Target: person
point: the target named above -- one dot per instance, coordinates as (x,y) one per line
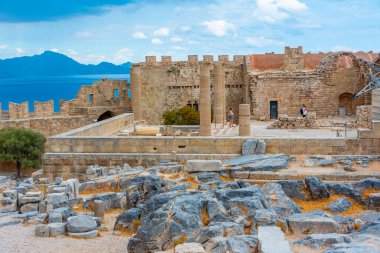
(304,112)
(189,103)
(195,105)
(302,109)
(231,117)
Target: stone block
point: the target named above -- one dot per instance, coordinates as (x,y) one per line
(272,240)
(41,230)
(56,229)
(10,193)
(85,235)
(189,248)
(29,207)
(204,165)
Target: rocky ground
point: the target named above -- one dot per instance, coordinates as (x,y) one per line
(197,207)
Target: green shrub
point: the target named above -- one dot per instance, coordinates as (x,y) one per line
(183,116)
(23,146)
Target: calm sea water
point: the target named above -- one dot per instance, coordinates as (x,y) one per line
(31,89)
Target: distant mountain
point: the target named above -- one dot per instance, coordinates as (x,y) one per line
(55,64)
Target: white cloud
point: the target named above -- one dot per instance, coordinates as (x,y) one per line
(262,42)
(179,48)
(176,39)
(122,56)
(339,48)
(71,52)
(218,28)
(185,28)
(156,41)
(162,32)
(19,51)
(4,46)
(273,11)
(139,35)
(54,50)
(84,34)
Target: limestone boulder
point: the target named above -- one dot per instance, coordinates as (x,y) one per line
(351,248)
(204,165)
(30,197)
(56,198)
(189,248)
(317,188)
(282,205)
(56,229)
(41,230)
(253,147)
(294,188)
(125,220)
(311,223)
(323,240)
(29,207)
(81,224)
(272,240)
(85,235)
(339,205)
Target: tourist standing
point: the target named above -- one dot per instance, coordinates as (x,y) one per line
(304,112)
(195,105)
(231,117)
(189,103)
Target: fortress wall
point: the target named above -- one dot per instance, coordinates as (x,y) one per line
(44,109)
(19,111)
(168,85)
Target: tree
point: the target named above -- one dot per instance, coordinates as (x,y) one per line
(183,116)
(23,146)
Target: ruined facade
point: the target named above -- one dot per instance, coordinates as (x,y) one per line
(102,100)
(272,84)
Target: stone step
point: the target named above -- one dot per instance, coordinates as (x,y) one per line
(272,240)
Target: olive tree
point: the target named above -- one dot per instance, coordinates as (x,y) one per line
(22,146)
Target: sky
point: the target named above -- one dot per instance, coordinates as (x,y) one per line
(117,31)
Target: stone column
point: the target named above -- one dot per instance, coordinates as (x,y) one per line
(218,93)
(205,101)
(136,93)
(376,104)
(244,117)
(99,209)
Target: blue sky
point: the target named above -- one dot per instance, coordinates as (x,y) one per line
(117,31)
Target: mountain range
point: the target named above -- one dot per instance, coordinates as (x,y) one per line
(55,64)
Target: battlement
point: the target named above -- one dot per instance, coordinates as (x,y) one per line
(191,60)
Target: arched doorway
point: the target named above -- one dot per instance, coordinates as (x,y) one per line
(345,104)
(106,115)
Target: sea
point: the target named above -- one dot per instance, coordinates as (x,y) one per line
(44,88)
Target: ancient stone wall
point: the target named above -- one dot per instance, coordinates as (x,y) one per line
(364,116)
(43,109)
(168,85)
(18,111)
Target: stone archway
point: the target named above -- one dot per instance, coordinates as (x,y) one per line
(346,104)
(105,115)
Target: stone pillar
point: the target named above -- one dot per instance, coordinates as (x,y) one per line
(205,101)
(244,117)
(99,209)
(136,93)
(218,93)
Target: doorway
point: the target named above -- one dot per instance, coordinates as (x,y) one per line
(273,109)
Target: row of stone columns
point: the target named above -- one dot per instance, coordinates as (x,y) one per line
(219,102)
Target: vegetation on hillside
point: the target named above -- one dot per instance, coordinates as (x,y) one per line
(184,116)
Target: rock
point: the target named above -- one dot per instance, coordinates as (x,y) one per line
(9,205)
(242,244)
(307,223)
(30,197)
(20,189)
(56,229)
(10,193)
(204,165)
(279,201)
(317,188)
(207,176)
(81,224)
(86,235)
(322,240)
(109,200)
(58,180)
(56,198)
(346,189)
(315,161)
(349,168)
(294,188)
(339,205)
(99,209)
(248,159)
(265,217)
(253,147)
(42,207)
(351,248)
(189,248)
(368,234)
(125,220)
(74,187)
(54,217)
(269,164)
(30,207)
(272,240)
(41,230)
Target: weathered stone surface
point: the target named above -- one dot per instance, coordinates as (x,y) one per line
(88,235)
(81,224)
(30,207)
(189,248)
(249,159)
(351,248)
(294,188)
(54,217)
(279,201)
(312,224)
(253,147)
(41,230)
(242,244)
(318,189)
(56,229)
(10,193)
(315,161)
(30,197)
(323,240)
(271,164)
(56,198)
(204,165)
(272,240)
(339,205)
(125,220)
(265,217)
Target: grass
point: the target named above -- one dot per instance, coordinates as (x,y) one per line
(182,239)
(205,216)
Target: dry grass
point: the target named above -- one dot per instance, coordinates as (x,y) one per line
(369,191)
(205,216)
(228,178)
(182,239)
(191,180)
(321,204)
